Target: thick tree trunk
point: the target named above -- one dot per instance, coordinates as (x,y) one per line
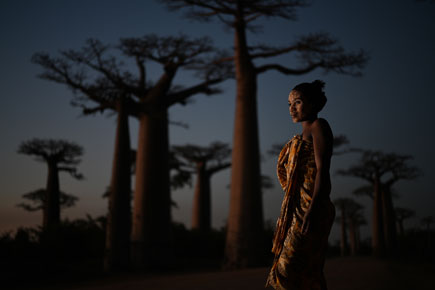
(152,202)
(400,227)
(378,241)
(352,238)
(245,223)
(358,239)
(343,235)
(118,231)
(389,222)
(51,213)
(201,217)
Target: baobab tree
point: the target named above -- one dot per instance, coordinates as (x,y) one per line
(350,219)
(319,50)
(402,214)
(37,199)
(382,170)
(112,86)
(60,156)
(204,161)
(355,219)
(427,221)
(340,203)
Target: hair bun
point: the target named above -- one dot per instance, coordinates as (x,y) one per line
(318,84)
(314,92)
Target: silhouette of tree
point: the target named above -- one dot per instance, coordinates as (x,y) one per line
(355,220)
(341,204)
(401,215)
(204,161)
(60,156)
(266,182)
(382,170)
(113,87)
(350,218)
(427,221)
(37,199)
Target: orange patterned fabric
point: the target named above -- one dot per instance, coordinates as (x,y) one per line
(299,258)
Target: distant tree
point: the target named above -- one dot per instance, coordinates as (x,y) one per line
(60,156)
(129,93)
(266,182)
(350,219)
(382,170)
(341,204)
(37,199)
(355,220)
(180,174)
(204,161)
(245,223)
(427,221)
(401,215)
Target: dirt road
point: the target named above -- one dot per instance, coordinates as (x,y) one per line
(341,274)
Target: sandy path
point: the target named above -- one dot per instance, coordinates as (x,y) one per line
(341,274)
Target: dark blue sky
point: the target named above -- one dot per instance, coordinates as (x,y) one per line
(389,108)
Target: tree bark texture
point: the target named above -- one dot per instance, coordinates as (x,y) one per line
(51,215)
(245,222)
(152,203)
(117,254)
(201,217)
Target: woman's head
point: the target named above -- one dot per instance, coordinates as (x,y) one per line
(306,100)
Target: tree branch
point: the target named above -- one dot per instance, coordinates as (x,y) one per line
(182,96)
(271,52)
(218,167)
(72,171)
(286,70)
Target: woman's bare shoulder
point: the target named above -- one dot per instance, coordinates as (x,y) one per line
(321,127)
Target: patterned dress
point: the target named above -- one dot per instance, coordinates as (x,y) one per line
(299,258)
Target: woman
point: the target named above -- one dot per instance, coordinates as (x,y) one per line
(307,214)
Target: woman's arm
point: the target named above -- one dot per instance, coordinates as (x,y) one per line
(322,142)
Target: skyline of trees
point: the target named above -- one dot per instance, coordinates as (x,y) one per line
(96,75)
(114,91)
(382,170)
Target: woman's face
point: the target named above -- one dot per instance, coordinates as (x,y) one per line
(299,107)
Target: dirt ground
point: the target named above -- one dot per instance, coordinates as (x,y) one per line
(362,273)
